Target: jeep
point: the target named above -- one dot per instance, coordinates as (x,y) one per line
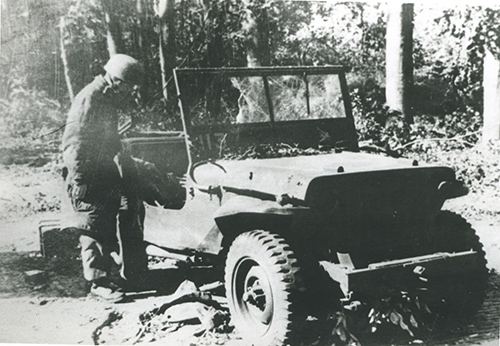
(280,195)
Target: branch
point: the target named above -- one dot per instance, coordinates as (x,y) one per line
(456,138)
(64,59)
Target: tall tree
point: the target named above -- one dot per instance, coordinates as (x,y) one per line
(215,20)
(167,44)
(113,29)
(399,59)
(64,59)
(491,86)
(256,28)
(215,23)
(142,42)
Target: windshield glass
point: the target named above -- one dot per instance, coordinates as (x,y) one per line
(245,107)
(253,99)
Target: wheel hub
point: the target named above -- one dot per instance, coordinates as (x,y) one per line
(256,296)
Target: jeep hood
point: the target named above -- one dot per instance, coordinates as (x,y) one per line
(296,175)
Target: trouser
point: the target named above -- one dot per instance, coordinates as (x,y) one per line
(128,242)
(131,238)
(99,212)
(96,257)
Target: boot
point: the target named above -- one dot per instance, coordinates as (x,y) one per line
(107,290)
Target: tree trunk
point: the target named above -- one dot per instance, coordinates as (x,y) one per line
(167,46)
(142,45)
(113,29)
(263,44)
(215,54)
(399,59)
(5,50)
(256,28)
(64,59)
(491,86)
(215,44)
(252,103)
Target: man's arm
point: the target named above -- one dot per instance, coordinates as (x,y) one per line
(158,187)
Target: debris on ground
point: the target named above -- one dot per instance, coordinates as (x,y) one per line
(105,326)
(188,313)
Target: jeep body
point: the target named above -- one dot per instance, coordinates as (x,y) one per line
(369,220)
(357,199)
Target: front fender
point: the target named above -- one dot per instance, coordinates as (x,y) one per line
(241,214)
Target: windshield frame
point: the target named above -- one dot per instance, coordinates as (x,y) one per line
(264,72)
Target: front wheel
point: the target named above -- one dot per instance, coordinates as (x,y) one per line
(263,282)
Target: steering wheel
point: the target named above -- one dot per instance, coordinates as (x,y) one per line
(201,163)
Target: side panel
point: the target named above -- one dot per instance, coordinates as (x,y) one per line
(202,223)
(191,227)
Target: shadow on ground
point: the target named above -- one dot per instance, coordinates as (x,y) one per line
(58,272)
(54,277)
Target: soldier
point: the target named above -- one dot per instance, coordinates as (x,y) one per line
(93,175)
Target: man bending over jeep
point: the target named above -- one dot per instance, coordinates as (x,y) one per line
(94,174)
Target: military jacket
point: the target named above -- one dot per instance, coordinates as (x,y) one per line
(91,139)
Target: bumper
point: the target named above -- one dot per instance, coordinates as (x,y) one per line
(383,278)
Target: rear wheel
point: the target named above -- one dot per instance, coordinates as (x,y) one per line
(461,296)
(263,281)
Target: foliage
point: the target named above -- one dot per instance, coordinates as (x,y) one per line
(83,38)
(451,57)
(212,33)
(272,151)
(375,123)
(351,34)
(478,166)
(404,311)
(455,41)
(27,122)
(29,45)
(28,112)
(340,334)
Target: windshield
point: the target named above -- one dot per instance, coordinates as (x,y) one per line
(224,108)
(291,98)
(255,99)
